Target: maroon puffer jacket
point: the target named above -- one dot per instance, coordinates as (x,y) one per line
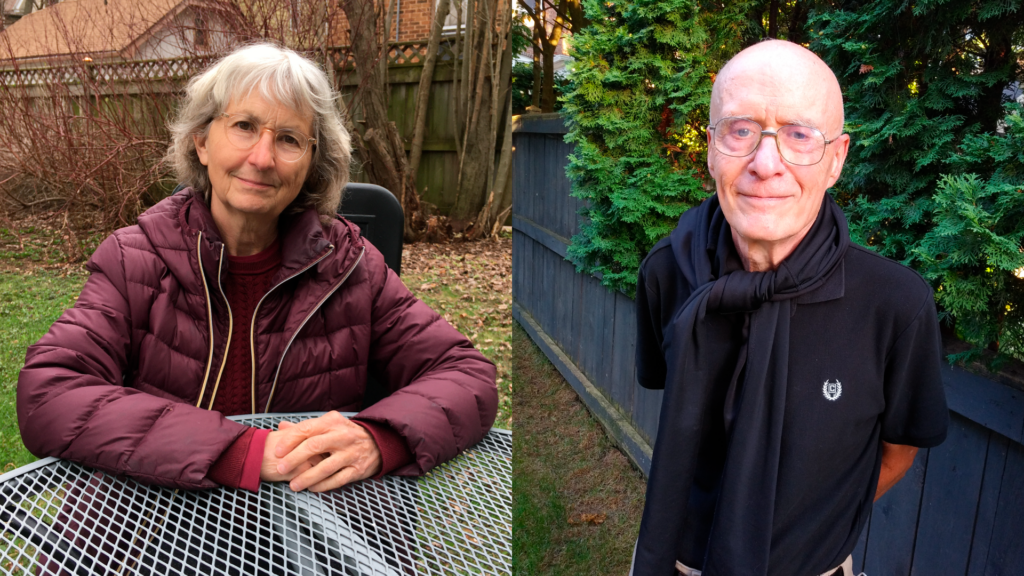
(115,382)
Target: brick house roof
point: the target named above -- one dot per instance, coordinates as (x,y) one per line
(95,27)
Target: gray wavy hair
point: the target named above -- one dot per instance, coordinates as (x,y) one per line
(279,75)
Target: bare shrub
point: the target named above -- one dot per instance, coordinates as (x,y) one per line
(82,131)
(87,92)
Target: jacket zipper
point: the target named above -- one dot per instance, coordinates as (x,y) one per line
(231,325)
(252,325)
(209,318)
(301,326)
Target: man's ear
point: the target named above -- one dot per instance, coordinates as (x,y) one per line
(200,142)
(837,158)
(711,166)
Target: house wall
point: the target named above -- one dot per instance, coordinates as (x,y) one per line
(177,39)
(413,18)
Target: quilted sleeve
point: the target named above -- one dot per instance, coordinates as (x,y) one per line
(72,402)
(443,396)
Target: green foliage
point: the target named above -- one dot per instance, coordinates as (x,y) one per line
(917,79)
(636,107)
(930,180)
(973,251)
(521,36)
(522,87)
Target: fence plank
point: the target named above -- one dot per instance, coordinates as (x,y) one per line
(623,354)
(547,266)
(993,405)
(890,549)
(518,270)
(530,298)
(950,500)
(605,364)
(995,464)
(548,175)
(1006,550)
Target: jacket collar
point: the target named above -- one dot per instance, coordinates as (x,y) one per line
(175,223)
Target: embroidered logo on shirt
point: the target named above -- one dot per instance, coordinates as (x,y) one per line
(832,390)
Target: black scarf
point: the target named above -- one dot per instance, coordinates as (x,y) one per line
(740,539)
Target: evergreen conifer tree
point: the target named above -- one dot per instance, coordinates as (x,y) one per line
(636,108)
(929,180)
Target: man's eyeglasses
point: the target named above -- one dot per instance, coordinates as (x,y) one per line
(799,145)
(244,132)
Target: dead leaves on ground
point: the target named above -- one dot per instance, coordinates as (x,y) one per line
(592,519)
(470,285)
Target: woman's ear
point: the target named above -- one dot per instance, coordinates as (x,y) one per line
(200,142)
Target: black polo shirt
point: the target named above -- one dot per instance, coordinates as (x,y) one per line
(864,367)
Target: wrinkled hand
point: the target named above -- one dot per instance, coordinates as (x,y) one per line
(268,470)
(347,451)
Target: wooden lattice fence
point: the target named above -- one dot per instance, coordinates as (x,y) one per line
(438,172)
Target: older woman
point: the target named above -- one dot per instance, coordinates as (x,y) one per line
(244,293)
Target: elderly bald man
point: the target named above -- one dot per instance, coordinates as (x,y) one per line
(801,372)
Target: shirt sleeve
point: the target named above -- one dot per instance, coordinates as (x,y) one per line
(915,400)
(659,291)
(650,362)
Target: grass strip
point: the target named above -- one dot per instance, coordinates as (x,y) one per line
(576,499)
(29,304)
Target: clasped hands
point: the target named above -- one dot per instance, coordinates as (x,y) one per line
(320,454)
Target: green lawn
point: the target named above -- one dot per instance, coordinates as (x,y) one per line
(29,303)
(576,500)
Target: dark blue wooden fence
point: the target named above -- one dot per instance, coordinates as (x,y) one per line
(957,512)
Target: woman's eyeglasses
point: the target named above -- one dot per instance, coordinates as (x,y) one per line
(244,132)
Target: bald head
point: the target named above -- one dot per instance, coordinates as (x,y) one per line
(789,75)
(770,199)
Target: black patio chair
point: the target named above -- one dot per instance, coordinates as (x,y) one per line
(379,215)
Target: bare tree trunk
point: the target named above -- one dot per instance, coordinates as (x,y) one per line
(547,97)
(423,96)
(494,210)
(380,145)
(478,134)
(539,37)
(457,49)
(578,19)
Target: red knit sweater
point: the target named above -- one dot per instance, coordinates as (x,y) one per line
(247,281)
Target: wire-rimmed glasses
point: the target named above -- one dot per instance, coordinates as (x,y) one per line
(799,145)
(244,132)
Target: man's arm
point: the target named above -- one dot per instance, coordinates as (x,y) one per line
(896,460)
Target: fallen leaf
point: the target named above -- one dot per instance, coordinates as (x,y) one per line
(592,519)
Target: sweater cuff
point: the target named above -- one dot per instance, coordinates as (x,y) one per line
(239,465)
(394,453)
(254,461)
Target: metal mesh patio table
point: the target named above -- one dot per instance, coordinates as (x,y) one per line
(59,517)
